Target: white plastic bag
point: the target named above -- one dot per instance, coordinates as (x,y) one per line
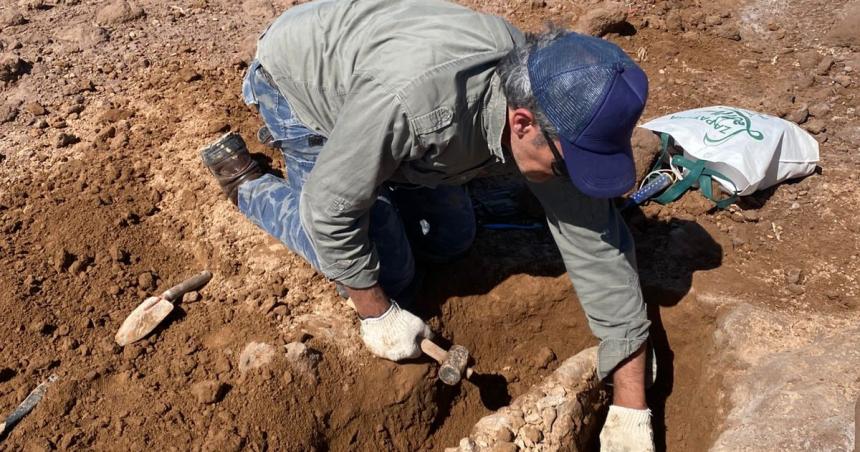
(755,151)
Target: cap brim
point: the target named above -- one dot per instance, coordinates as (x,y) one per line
(600,175)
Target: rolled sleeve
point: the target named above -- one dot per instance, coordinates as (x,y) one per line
(365,147)
(598,252)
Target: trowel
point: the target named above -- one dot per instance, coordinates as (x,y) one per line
(147,315)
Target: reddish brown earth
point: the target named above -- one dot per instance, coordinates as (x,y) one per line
(104,104)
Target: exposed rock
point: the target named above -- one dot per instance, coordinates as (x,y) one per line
(819,110)
(601,19)
(62,260)
(748,63)
(118,11)
(8,113)
(559,400)
(646,149)
(66,139)
(303,359)
(255,355)
(12,18)
(191,297)
(11,66)
(798,116)
(769,357)
(84,35)
(824,66)
(845,32)
(815,126)
(673,22)
(728,32)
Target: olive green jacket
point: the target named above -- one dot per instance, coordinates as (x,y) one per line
(406,91)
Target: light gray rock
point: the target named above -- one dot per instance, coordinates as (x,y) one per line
(793,380)
(255,355)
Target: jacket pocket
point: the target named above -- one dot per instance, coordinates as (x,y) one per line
(434,129)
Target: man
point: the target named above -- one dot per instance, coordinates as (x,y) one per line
(383,109)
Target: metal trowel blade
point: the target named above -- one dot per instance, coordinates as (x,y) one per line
(143,320)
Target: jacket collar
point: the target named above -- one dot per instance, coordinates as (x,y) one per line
(494,117)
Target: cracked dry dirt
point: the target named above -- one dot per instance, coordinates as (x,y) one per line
(103,201)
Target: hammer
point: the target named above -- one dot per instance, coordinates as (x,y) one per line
(452,363)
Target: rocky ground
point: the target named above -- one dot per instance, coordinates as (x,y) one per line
(104,201)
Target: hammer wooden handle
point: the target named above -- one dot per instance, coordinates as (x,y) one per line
(434,351)
(439,354)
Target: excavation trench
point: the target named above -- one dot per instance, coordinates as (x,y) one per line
(521,321)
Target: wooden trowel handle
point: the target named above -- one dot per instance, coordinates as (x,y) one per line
(193,283)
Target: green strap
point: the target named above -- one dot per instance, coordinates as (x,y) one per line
(679,188)
(696,172)
(664,151)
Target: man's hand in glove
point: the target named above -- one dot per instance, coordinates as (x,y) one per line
(394,335)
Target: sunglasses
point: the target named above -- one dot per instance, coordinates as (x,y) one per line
(558,166)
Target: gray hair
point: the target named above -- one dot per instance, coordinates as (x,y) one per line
(514,73)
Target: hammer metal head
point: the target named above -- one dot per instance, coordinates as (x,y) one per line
(452,370)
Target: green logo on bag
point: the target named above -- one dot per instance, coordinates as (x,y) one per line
(726,123)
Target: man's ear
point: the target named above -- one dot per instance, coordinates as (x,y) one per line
(522,121)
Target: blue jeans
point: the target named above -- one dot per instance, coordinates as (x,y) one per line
(406,222)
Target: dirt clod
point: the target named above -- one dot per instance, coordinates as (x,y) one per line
(544,357)
(66,139)
(208,392)
(146,281)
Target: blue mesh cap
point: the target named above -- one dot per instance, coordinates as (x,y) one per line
(593,93)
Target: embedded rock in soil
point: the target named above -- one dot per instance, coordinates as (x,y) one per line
(255,355)
(118,11)
(601,19)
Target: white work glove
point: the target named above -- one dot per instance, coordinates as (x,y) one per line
(394,335)
(627,430)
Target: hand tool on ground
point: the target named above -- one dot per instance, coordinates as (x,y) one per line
(26,406)
(153,310)
(452,363)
